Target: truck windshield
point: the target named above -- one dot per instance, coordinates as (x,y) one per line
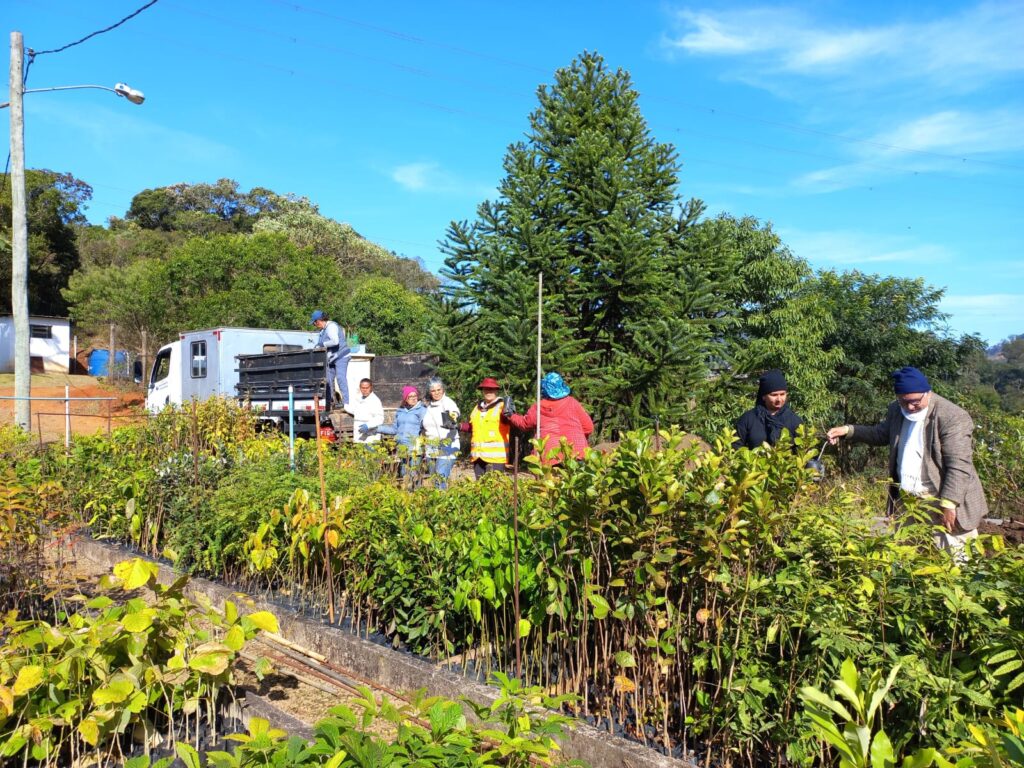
(161,366)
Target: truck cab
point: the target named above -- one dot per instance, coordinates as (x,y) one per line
(164,383)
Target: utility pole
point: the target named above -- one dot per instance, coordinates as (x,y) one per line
(19,241)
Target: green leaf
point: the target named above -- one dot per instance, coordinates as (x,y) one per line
(1008,667)
(89,730)
(139,621)
(881,751)
(922,758)
(235,638)
(524,627)
(812,694)
(625,659)
(1016,683)
(599,604)
(115,691)
(188,756)
(210,659)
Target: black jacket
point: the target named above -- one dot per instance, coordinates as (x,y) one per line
(757,426)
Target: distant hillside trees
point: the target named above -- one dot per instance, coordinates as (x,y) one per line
(202,255)
(56,202)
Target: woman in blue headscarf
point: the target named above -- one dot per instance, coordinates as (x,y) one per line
(561,416)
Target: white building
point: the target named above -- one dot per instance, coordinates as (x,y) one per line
(49,343)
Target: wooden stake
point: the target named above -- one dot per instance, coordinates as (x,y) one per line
(515,561)
(323,504)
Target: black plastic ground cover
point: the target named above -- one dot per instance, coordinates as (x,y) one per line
(383,668)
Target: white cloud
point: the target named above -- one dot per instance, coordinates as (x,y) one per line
(971,46)
(956,132)
(417,177)
(430,176)
(935,143)
(848,249)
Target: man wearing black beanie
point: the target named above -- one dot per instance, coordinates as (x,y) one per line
(770,415)
(930,456)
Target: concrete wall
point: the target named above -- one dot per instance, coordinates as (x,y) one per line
(388,669)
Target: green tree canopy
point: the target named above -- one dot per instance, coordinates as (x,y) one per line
(773,319)
(227,280)
(882,324)
(202,209)
(589,199)
(389,318)
(303,223)
(56,203)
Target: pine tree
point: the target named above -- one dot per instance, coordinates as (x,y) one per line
(589,199)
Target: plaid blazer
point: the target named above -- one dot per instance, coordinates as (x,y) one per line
(948,470)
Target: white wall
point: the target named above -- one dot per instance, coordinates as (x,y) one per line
(55,351)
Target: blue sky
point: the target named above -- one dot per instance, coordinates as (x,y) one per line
(886,137)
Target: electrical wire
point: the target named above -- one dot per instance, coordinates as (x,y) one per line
(91,35)
(31,57)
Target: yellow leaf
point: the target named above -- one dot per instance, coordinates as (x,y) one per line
(331,537)
(6,701)
(235,638)
(264,620)
(135,573)
(90,731)
(624,685)
(28,678)
(139,621)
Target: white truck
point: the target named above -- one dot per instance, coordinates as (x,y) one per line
(202,364)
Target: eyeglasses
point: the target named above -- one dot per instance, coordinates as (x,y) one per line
(436,390)
(912,402)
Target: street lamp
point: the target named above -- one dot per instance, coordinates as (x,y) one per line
(19,222)
(121,89)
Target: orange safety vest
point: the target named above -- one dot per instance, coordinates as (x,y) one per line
(489,439)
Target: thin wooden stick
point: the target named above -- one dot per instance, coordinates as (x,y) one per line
(323,504)
(515,562)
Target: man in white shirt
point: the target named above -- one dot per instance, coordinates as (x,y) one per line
(367,414)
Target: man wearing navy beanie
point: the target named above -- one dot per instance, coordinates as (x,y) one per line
(930,456)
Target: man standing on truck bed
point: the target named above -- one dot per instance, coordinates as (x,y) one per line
(333,340)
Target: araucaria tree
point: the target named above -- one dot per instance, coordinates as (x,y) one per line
(589,199)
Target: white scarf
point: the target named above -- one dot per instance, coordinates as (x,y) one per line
(910,456)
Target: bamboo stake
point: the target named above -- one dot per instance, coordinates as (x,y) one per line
(515,561)
(540,337)
(323,504)
(276,638)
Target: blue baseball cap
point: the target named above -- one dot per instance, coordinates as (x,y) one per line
(318,314)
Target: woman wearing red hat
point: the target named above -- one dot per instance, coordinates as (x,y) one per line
(488,431)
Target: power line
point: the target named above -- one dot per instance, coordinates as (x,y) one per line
(399,35)
(409,38)
(132,15)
